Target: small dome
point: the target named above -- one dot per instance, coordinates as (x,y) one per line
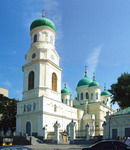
(105,93)
(85,81)
(42,22)
(65,90)
(94,83)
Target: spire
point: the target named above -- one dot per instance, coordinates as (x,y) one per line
(43,13)
(94,76)
(86,67)
(104,86)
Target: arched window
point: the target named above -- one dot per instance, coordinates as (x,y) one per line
(96,95)
(55,108)
(91,95)
(54,82)
(31,80)
(35,38)
(24,108)
(87,95)
(78,97)
(81,96)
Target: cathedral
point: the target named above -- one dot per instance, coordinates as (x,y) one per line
(44,102)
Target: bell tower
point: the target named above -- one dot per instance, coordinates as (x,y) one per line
(42,74)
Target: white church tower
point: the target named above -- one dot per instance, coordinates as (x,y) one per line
(42,74)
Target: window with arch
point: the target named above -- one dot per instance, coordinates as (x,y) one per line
(35,38)
(55,108)
(91,95)
(54,82)
(31,80)
(96,95)
(87,95)
(78,97)
(81,96)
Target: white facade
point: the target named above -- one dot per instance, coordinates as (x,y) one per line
(117,125)
(43,102)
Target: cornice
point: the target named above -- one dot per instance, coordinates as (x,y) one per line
(41,60)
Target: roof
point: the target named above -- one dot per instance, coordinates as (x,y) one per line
(94,83)
(65,90)
(105,93)
(85,81)
(122,112)
(42,22)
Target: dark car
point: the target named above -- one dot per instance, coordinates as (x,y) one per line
(108,145)
(14,148)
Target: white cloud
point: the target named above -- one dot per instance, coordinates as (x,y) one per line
(93,58)
(7,83)
(19,91)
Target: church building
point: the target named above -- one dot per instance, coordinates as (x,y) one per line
(44,102)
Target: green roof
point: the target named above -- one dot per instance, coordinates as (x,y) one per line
(105,93)
(122,112)
(85,81)
(94,83)
(42,22)
(65,90)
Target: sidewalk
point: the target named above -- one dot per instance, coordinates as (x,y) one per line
(57,147)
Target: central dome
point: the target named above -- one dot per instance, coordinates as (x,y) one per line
(85,81)
(42,22)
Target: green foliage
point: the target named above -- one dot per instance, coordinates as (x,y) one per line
(8,109)
(121,91)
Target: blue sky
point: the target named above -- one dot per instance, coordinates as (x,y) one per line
(95,33)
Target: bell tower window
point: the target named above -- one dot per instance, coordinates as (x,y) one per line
(96,95)
(31,80)
(81,96)
(54,82)
(35,38)
(86,95)
(91,95)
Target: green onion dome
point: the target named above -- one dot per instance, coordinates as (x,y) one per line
(105,93)
(42,22)
(94,83)
(85,81)
(65,90)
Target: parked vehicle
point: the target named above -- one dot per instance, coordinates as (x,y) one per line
(14,148)
(127,142)
(108,145)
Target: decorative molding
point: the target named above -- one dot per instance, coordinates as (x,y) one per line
(41,60)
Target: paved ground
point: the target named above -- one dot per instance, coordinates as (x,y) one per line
(56,147)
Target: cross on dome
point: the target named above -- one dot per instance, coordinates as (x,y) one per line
(43,13)
(104,86)
(86,67)
(94,76)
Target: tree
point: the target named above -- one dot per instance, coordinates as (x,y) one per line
(8,109)
(121,91)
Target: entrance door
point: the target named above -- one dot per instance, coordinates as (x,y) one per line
(28,128)
(114,133)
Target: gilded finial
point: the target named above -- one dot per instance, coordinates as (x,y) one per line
(86,67)
(43,13)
